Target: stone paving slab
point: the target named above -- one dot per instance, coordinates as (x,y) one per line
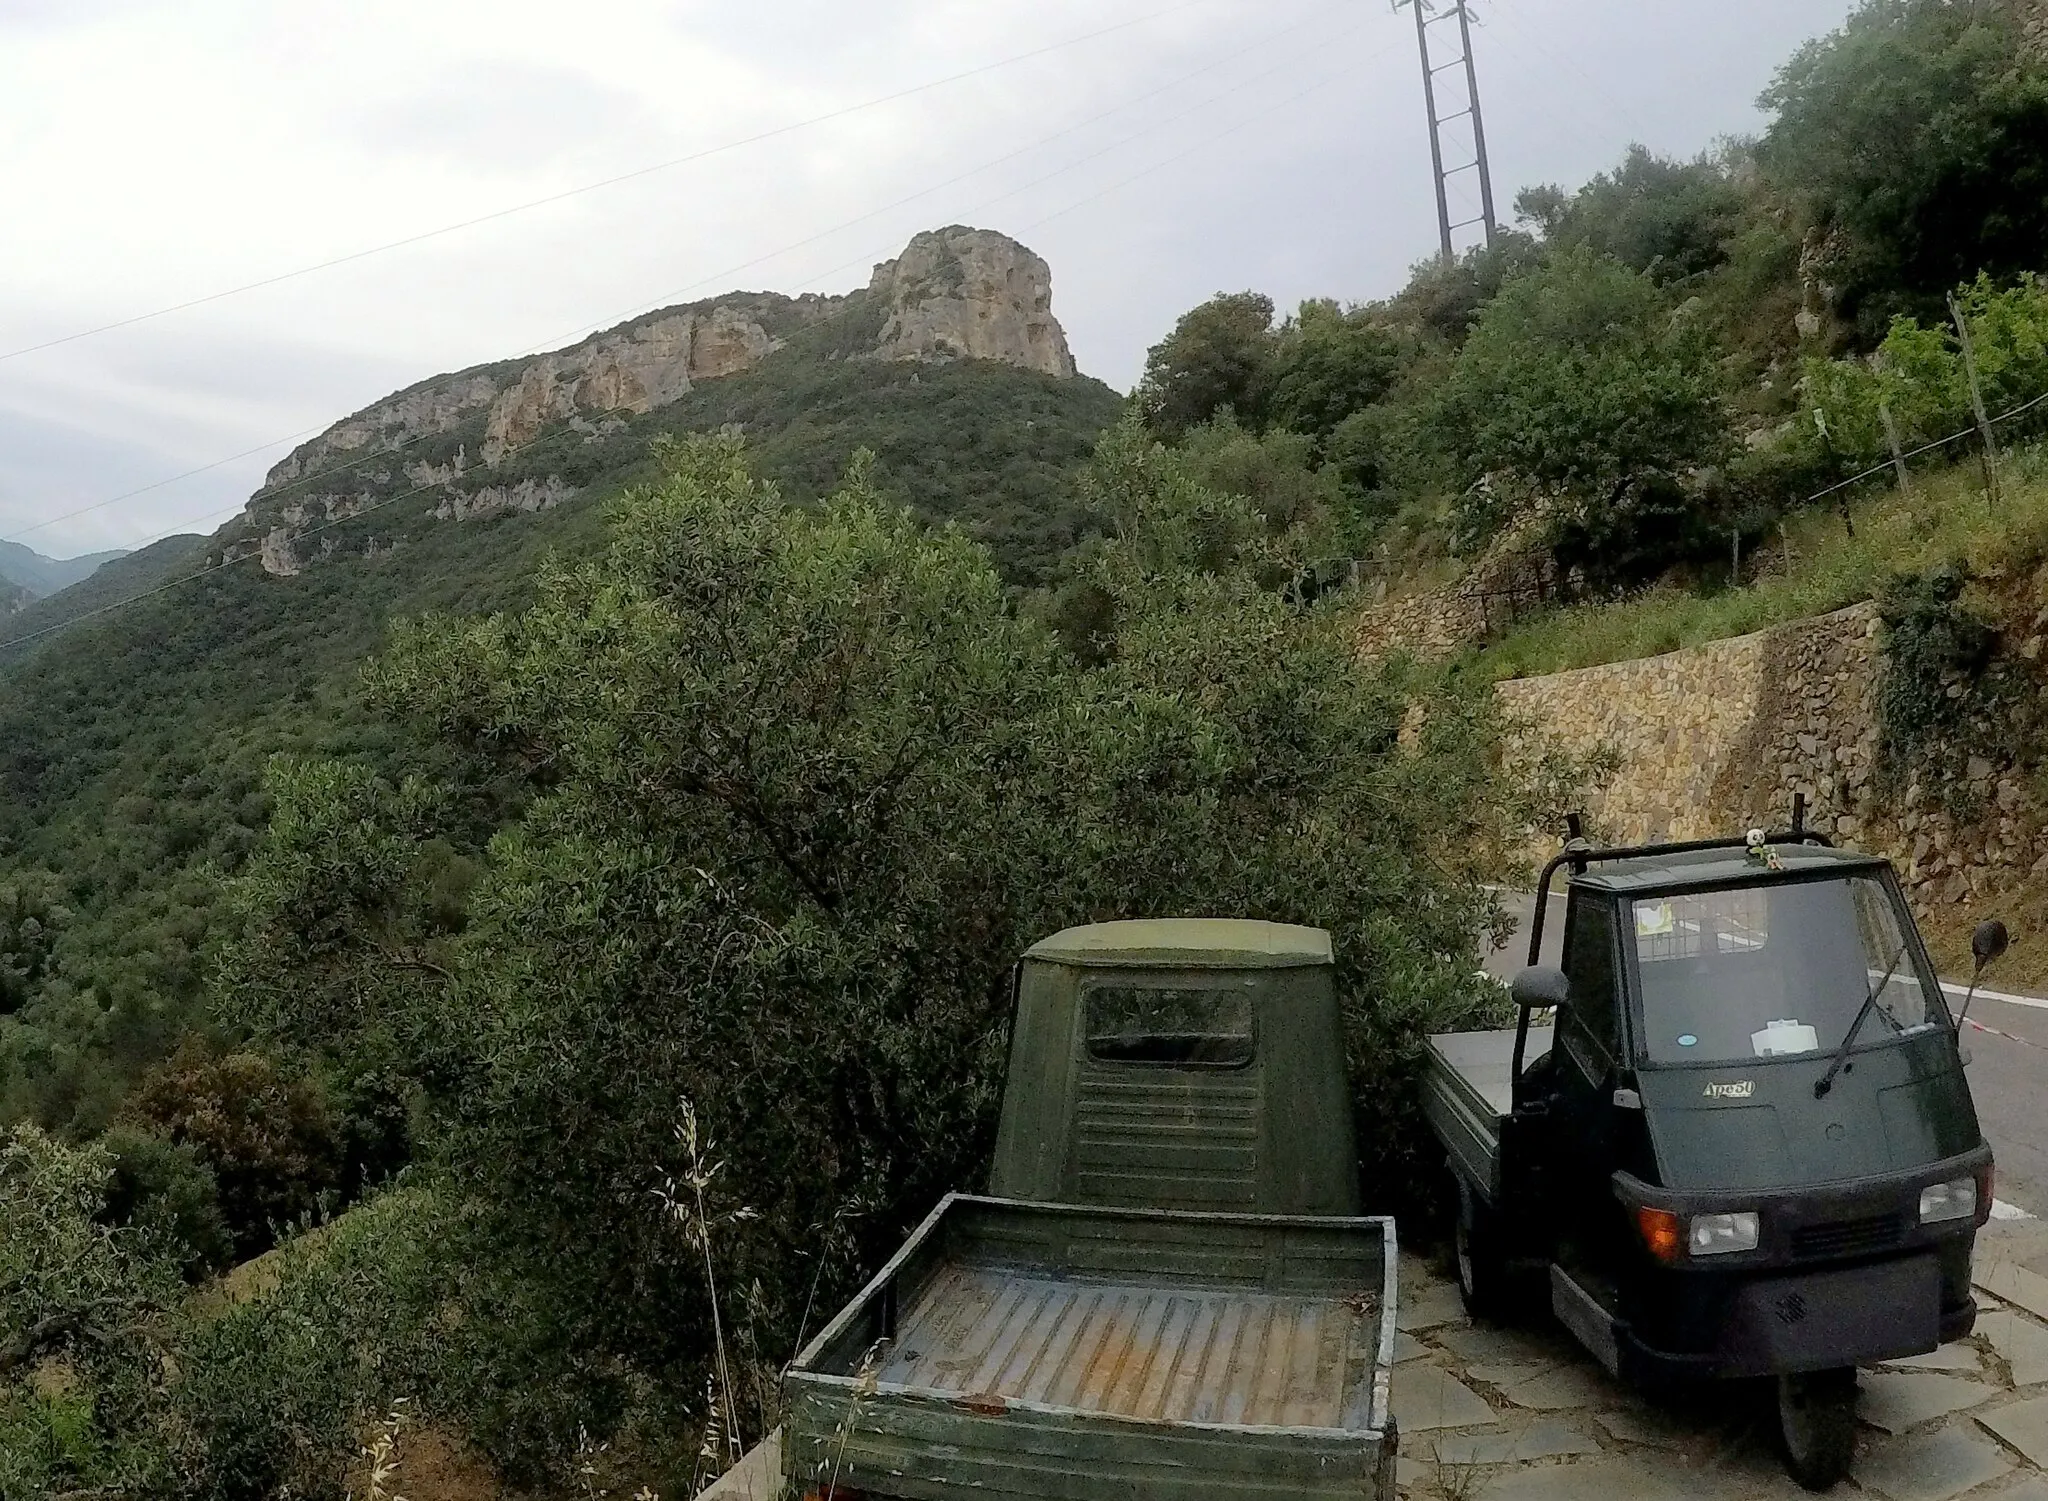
(1407,1346)
(2016,1285)
(1930,1467)
(1427,1396)
(1898,1401)
(1485,1344)
(2020,1342)
(1959,1359)
(1643,1425)
(1429,1306)
(1566,1386)
(1544,1438)
(2024,1425)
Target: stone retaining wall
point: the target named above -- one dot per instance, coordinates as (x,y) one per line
(1718,738)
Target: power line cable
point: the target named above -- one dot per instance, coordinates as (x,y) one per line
(608,182)
(642,306)
(229,562)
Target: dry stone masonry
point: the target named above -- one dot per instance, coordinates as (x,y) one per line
(1722,736)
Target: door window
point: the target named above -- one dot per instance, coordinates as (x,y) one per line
(1589,965)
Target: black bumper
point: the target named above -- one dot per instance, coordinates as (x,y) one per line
(1816,1320)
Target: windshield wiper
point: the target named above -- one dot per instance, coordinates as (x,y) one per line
(1826,1081)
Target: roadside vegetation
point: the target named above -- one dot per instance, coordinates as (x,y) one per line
(1815,564)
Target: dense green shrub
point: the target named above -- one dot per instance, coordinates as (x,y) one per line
(803,785)
(268,1139)
(1918,136)
(162,1191)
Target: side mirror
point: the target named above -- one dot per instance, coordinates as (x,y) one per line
(1541,987)
(1989,942)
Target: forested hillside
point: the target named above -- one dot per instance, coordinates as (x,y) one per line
(581,819)
(132,745)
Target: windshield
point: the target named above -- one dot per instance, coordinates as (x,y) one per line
(1774,971)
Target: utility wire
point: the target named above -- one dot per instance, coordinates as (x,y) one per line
(642,306)
(608,182)
(229,562)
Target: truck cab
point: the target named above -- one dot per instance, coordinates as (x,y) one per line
(1181,1063)
(1731,1134)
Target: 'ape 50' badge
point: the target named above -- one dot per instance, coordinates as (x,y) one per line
(1742,1089)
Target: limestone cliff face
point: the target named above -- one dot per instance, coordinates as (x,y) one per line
(635,370)
(955,293)
(961,293)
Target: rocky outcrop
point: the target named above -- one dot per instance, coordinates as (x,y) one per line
(955,293)
(961,293)
(528,495)
(433,406)
(632,370)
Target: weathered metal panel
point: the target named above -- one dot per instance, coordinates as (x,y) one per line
(1466,1094)
(1271,1132)
(1026,1350)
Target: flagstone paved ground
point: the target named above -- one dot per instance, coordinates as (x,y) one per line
(1970,1421)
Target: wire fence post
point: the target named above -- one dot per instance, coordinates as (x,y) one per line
(1891,436)
(1989,454)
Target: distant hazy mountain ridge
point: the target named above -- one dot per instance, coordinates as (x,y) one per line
(954,293)
(33,576)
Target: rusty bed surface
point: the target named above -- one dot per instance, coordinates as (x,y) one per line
(1161,1354)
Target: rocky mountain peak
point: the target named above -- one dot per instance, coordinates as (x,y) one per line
(971,293)
(954,293)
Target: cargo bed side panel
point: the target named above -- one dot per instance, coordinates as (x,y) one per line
(925,1448)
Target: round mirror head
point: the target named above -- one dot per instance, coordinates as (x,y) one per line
(1540,987)
(1989,941)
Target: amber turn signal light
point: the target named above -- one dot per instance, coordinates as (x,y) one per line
(1662,1234)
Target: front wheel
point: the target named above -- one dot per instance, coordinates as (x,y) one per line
(1817,1426)
(1482,1269)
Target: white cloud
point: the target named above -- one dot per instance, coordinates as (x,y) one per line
(160,152)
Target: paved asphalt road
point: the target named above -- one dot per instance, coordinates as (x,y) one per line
(2007,1042)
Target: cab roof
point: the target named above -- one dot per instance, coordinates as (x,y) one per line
(1187,943)
(1719,867)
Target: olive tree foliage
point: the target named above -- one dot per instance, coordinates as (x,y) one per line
(804,786)
(82,1313)
(1214,358)
(1916,137)
(1583,395)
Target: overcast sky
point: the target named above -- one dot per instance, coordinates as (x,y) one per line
(155,153)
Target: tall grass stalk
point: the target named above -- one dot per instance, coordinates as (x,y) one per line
(688,1205)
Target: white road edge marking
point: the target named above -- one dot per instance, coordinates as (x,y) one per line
(2000,1210)
(2033,1002)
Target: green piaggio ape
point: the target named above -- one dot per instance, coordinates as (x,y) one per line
(1731,1136)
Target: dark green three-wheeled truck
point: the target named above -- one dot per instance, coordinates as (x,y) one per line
(1730,1135)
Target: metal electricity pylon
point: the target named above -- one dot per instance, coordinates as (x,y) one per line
(1429,17)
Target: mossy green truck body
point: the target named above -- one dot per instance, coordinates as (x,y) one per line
(1168,1294)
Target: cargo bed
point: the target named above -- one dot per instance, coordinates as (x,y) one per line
(1039,1350)
(1467,1091)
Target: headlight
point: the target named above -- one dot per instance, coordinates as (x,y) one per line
(1953,1200)
(1714,1234)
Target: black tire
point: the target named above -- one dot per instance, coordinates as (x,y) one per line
(1483,1275)
(1817,1426)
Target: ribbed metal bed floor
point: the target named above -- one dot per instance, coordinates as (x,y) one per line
(1164,1355)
